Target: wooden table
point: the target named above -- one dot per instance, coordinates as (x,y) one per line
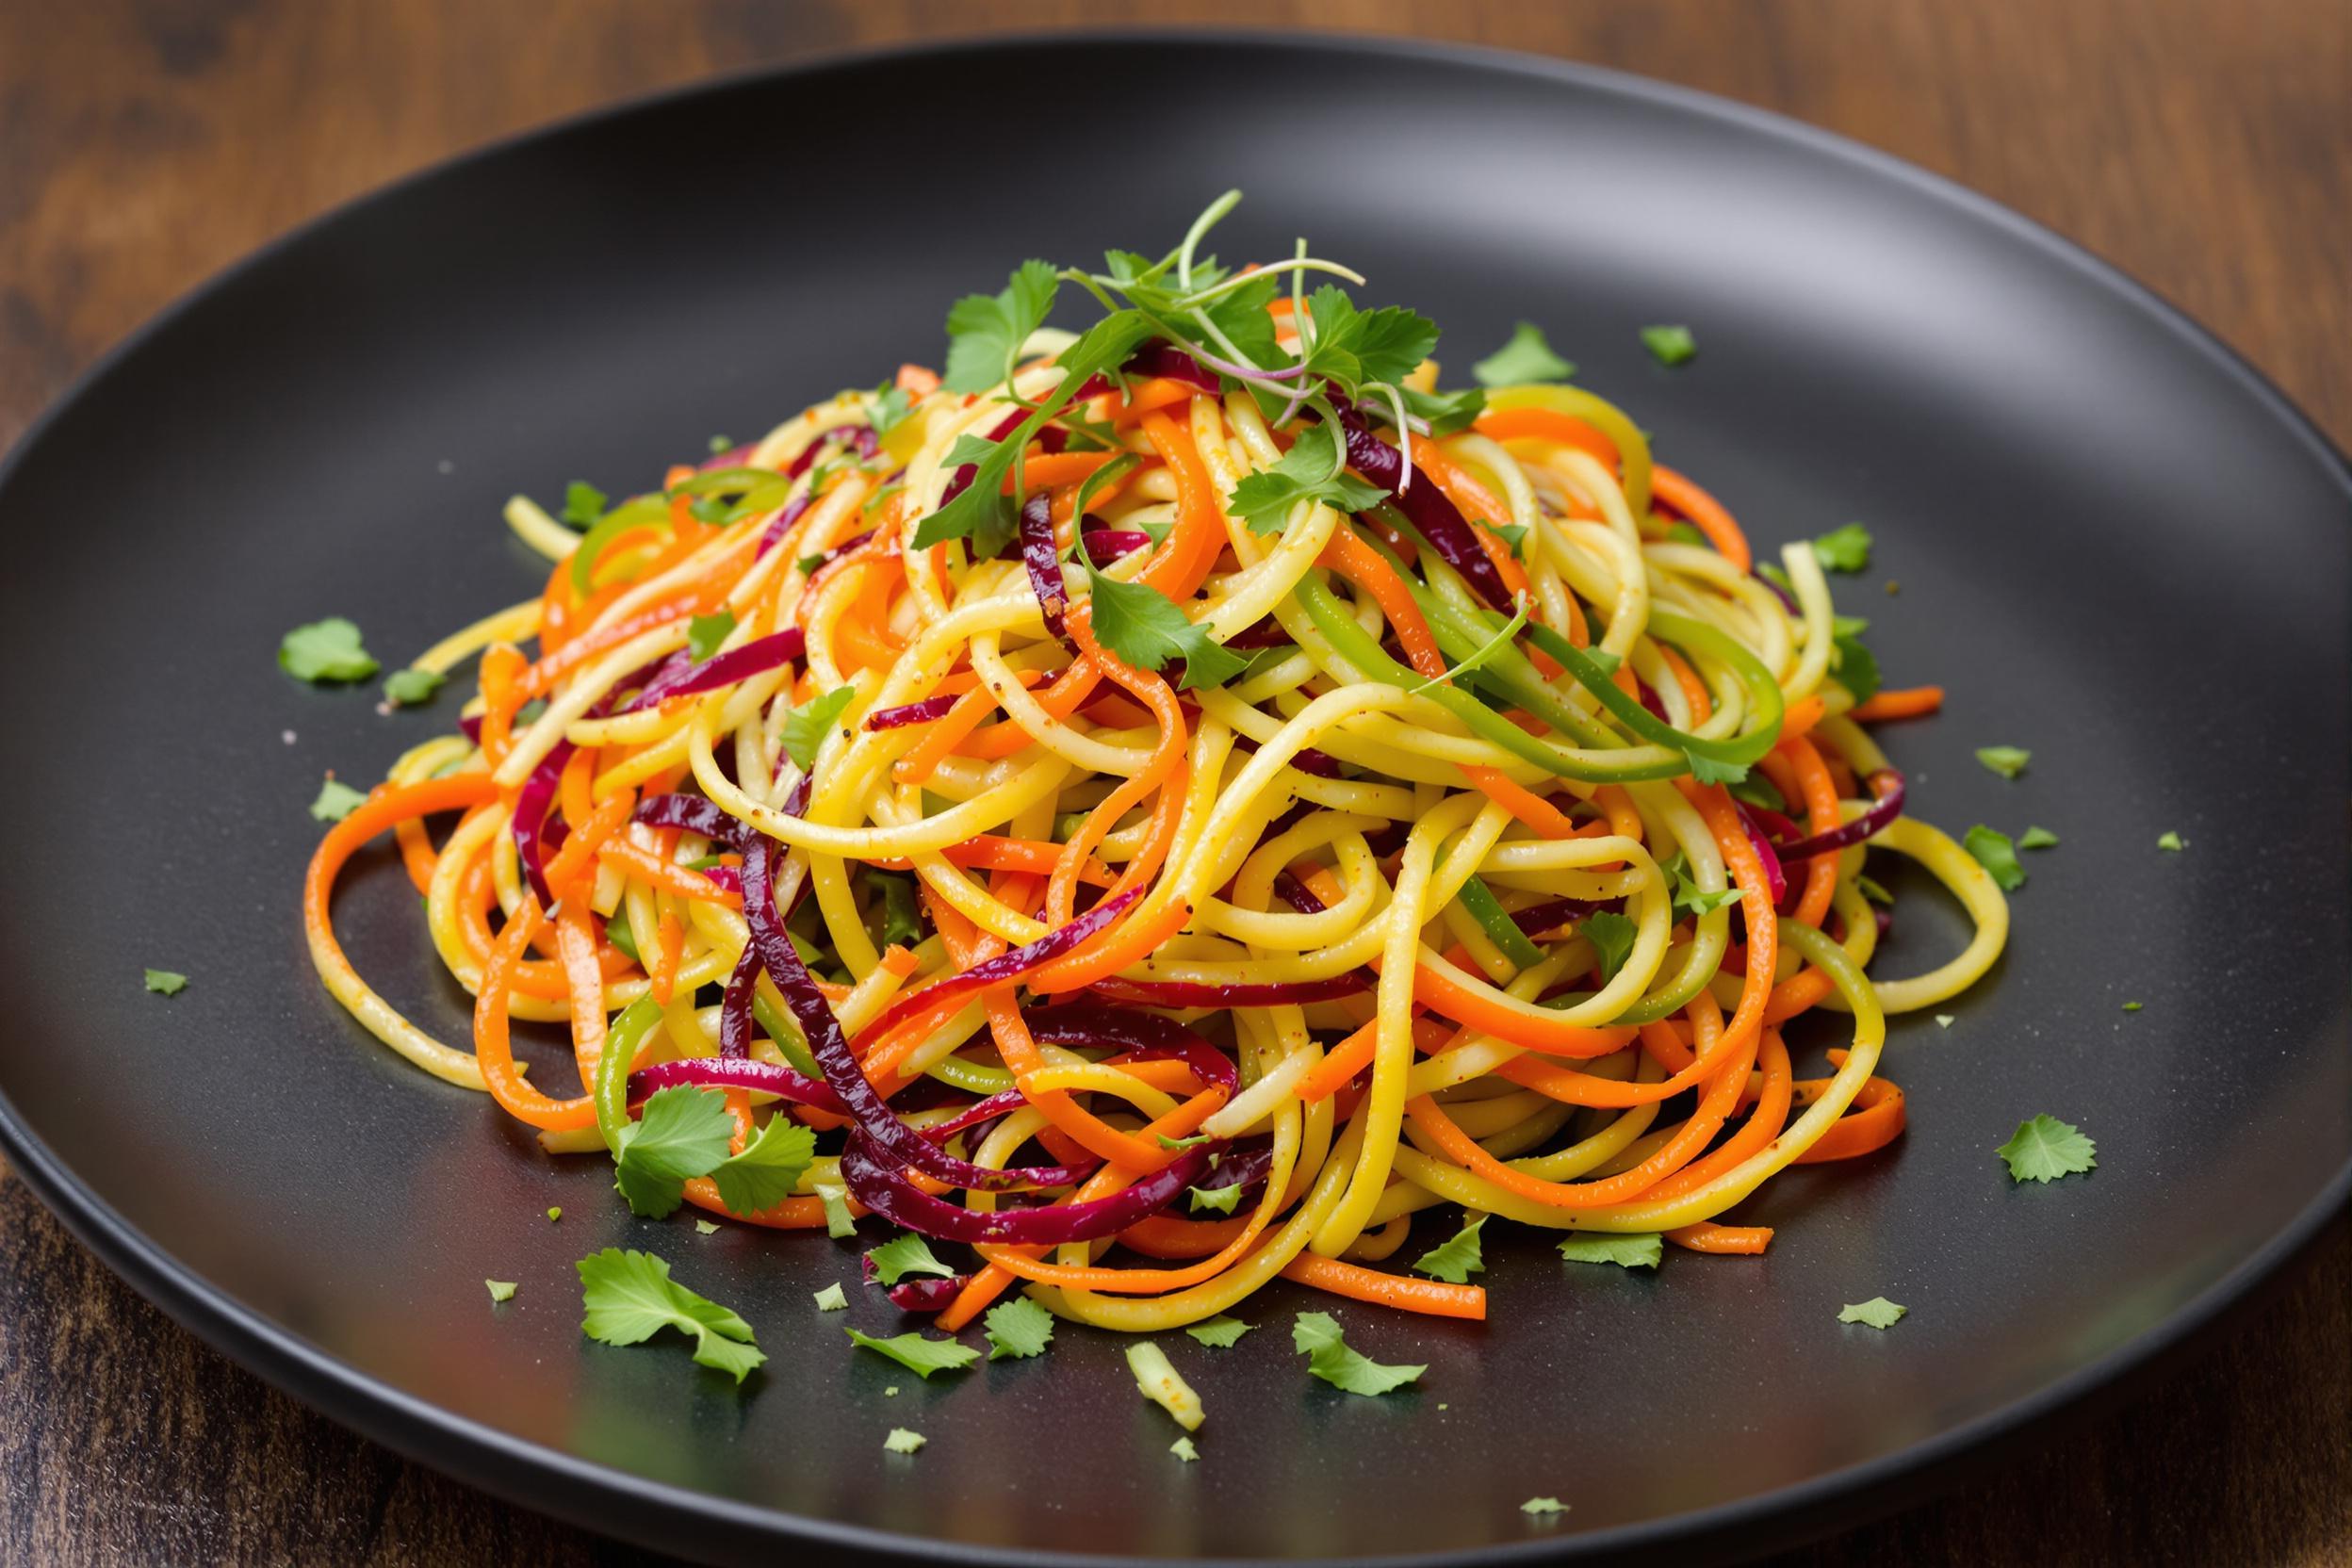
(145,143)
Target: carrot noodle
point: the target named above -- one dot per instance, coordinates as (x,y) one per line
(1443,890)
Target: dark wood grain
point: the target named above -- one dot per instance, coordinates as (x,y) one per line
(144,143)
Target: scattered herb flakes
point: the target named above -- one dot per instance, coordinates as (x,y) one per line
(839,1222)
(1669,344)
(1217,1199)
(2133,1006)
(2008,762)
(720,444)
(1843,550)
(1945,1021)
(1018,1328)
(2171,841)
(1318,1336)
(583,504)
(706,1227)
(630,1296)
(1542,1506)
(1456,1258)
(555,1213)
(704,633)
(1612,936)
(1626,1252)
(1524,358)
(2043,1149)
(1220,1333)
(411,686)
(164,982)
(918,1354)
(337,800)
(1997,855)
(500,1290)
(325,650)
(832,1298)
(1878,1312)
(2037,837)
(1184,1449)
(905,1254)
(902,1440)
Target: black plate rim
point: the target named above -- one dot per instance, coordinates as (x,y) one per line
(631,1506)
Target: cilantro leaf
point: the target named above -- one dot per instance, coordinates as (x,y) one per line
(1514,535)
(831,1298)
(889,409)
(583,504)
(1626,1252)
(1318,1336)
(1019,1328)
(1542,1506)
(917,1354)
(902,1440)
(1689,899)
(1995,854)
(1527,357)
(1241,317)
(769,1169)
(2043,1149)
(1216,1200)
(1310,471)
(905,1254)
(805,726)
(1612,936)
(630,1296)
(1446,412)
(1855,666)
(1456,1258)
(1184,1448)
(1878,1312)
(1362,346)
(1843,550)
(1669,344)
(500,1290)
(164,982)
(2008,762)
(1145,627)
(706,1227)
(337,800)
(2037,837)
(411,686)
(325,650)
(985,332)
(683,1133)
(1705,770)
(1220,1333)
(704,634)
(2171,841)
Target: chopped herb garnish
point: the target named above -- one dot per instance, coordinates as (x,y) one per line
(985,332)
(769,1169)
(1542,1506)
(1612,936)
(683,1133)
(1878,1312)
(706,1227)
(411,686)
(918,1354)
(806,726)
(1318,1336)
(1183,1448)
(1524,358)
(1214,1200)
(903,1255)
(163,982)
(1456,1258)
(2037,838)
(704,633)
(1446,412)
(2133,1006)
(1843,550)
(583,504)
(2043,1149)
(500,1290)
(1310,471)
(832,1298)
(1145,627)
(1626,1252)
(901,1441)
(2171,841)
(1997,855)
(1669,344)
(555,1213)
(325,650)
(839,1222)
(2008,762)
(1945,1021)
(1220,1333)
(630,1296)
(1196,1139)
(1018,1328)
(720,444)
(337,800)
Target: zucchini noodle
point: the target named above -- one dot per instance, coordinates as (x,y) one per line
(1189,757)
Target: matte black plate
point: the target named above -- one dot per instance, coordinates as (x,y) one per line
(2115,546)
